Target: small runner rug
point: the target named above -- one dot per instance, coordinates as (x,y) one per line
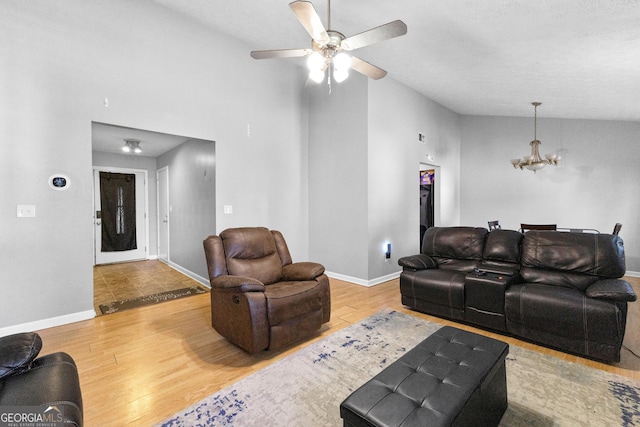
(306,388)
(127,304)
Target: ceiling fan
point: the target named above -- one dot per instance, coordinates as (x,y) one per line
(329,46)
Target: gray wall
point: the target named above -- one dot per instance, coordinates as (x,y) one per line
(338,216)
(396,115)
(595,185)
(364,162)
(192,200)
(163,73)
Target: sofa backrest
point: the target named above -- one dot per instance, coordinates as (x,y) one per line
(456,248)
(502,248)
(573,260)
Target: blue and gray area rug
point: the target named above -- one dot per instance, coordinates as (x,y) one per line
(306,388)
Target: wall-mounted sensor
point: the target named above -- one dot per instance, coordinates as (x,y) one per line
(422,137)
(59,182)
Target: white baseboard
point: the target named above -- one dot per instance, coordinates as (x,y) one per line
(632,273)
(48,323)
(363,282)
(202,280)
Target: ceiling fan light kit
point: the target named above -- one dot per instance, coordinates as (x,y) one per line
(533,161)
(329,47)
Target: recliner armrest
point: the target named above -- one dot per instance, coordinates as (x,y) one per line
(237,284)
(302,271)
(611,289)
(418,262)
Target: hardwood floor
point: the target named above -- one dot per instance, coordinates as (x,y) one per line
(138,367)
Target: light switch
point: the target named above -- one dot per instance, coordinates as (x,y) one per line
(228,209)
(26,211)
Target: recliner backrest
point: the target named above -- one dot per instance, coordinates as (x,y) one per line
(571,259)
(457,248)
(252,252)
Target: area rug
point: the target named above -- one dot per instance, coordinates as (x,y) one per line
(127,304)
(306,388)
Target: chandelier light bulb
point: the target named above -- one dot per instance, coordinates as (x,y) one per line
(126,149)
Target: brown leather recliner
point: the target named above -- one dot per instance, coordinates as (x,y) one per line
(260,299)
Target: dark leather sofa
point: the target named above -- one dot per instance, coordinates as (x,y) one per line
(559,289)
(49,382)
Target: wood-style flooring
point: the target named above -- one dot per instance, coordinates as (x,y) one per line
(138,367)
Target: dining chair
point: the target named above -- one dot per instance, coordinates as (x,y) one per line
(616,229)
(526,227)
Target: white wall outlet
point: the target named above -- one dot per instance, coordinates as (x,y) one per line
(26,211)
(228,209)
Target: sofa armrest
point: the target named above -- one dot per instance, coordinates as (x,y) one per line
(611,289)
(236,284)
(18,351)
(302,271)
(418,262)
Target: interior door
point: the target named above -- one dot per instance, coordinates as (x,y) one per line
(108,255)
(163,213)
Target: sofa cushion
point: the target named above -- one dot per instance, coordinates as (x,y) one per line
(600,255)
(454,242)
(17,352)
(503,246)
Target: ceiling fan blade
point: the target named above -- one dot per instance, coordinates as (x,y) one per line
(375,35)
(280,53)
(310,20)
(367,69)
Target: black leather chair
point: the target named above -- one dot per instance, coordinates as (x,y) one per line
(50,382)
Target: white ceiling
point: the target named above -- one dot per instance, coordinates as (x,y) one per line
(580,58)
(110,139)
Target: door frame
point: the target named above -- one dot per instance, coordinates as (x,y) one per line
(97,169)
(159,219)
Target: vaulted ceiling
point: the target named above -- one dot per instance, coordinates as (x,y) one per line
(580,58)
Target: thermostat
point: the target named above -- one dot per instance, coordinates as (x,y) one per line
(59,182)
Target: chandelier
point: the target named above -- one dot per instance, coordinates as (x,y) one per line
(533,161)
(132,146)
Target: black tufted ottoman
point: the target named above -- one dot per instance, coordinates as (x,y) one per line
(452,378)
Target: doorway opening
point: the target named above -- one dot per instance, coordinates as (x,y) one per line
(136,270)
(429,197)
